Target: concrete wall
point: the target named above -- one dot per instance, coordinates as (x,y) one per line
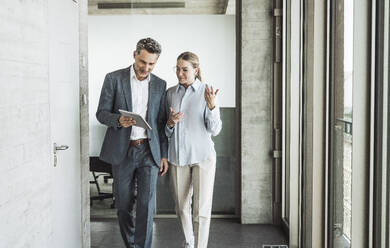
(25,175)
(256,186)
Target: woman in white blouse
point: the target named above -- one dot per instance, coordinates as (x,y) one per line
(193,118)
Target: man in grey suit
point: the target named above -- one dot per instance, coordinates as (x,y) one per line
(135,153)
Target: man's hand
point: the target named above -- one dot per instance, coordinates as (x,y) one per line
(126,121)
(209,96)
(173,117)
(163,166)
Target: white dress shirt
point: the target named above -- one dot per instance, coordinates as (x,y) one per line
(139,99)
(190,139)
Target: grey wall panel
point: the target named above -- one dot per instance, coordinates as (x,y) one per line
(224,186)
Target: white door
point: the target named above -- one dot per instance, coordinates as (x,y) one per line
(65,131)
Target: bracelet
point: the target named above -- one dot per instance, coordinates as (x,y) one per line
(211,108)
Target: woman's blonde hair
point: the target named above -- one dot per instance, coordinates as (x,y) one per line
(194,60)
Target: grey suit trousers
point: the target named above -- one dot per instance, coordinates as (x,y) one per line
(138,165)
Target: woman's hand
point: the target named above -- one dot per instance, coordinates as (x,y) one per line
(173,118)
(209,96)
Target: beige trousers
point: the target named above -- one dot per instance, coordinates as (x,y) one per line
(197,180)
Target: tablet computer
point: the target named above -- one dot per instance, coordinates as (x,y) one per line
(140,121)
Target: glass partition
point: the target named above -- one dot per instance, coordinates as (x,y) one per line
(341,125)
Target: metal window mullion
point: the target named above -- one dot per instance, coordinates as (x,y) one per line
(386,172)
(379,155)
(301,194)
(284,124)
(328,128)
(331,79)
(294,109)
(277,113)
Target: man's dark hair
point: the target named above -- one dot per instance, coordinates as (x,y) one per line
(150,45)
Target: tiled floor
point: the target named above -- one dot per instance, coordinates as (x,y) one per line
(226,233)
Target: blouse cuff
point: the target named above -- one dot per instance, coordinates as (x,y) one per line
(169,131)
(212,114)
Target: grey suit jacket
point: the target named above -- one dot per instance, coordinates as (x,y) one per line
(115,95)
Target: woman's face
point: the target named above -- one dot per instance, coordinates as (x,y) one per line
(185,72)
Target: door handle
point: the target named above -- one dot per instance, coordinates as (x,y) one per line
(58,148)
(61,148)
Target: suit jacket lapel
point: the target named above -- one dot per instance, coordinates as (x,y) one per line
(127,88)
(150,97)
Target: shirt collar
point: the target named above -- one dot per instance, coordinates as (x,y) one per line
(133,76)
(194,86)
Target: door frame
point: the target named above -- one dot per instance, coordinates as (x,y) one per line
(84,124)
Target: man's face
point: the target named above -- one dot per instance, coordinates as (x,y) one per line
(144,63)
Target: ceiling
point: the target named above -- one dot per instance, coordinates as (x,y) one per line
(197,7)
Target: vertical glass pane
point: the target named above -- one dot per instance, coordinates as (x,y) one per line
(342,129)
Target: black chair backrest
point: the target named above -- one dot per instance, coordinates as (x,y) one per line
(97,165)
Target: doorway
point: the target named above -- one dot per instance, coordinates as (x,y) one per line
(218,69)
(110,49)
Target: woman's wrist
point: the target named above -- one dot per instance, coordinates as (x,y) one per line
(170,124)
(211,106)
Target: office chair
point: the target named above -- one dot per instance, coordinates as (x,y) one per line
(104,169)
